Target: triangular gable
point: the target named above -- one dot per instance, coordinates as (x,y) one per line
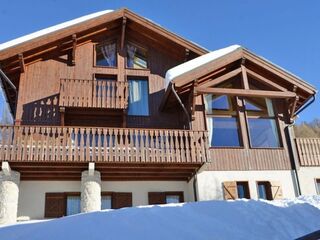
(205,73)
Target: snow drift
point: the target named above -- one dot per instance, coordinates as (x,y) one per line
(240,219)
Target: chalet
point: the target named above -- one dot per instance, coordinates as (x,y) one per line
(111,110)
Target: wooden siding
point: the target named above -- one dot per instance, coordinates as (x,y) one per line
(308,151)
(228,159)
(93,94)
(84,144)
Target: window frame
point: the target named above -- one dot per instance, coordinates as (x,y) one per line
(137,45)
(275,118)
(142,78)
(269,196)
(105,42)
(236,115)
(246,187)
(180,194)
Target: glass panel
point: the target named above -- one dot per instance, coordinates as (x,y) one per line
(318,186)
(136,57)
(73,205)
(263,133)
(220,104)
(241,191)
(138,98)
(106,202)
(5,113)
(259,107)
(172,199)
(262,192)
(223,131)
(106,55)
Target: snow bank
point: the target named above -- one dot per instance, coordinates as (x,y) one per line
(197,62)
(51,29)
(241,219)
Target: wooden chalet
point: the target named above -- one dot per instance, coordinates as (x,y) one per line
(113,108)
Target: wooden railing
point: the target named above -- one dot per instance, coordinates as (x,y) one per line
(308,151)
(84,144)
(93,93)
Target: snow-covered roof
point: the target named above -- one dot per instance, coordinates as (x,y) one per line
(52,29)
(198,62)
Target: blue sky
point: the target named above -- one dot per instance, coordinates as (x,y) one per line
(285,32)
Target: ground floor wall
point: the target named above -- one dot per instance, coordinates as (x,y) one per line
(308,180)
(32,193)
(210,183)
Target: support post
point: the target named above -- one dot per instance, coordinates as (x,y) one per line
(74,46)
(90,190)
(9,194)
(21,62)
(123,32)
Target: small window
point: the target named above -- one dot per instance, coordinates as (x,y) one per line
(138,97)
(318,185)
(106,202)
(172,199)
(264,190)
(136,57)
(73,205)
(243,190)
(106,55)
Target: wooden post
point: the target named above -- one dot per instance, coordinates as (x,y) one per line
(62,116)
(244,74)
(74,46)
(21,61)
(123,32)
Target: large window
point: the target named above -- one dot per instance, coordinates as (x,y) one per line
(138,97)
(262,126)
(73,204)
(106,54)
(222,121)
(136,57)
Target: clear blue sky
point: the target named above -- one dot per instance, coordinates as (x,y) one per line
(286,32)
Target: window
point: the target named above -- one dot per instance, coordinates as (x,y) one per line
(138,97)
(106,54)
(73,204)
(264,190)
(318,185)
(243,190)
(136,57)
(262,126)
(106,201)
(172,199)
(222,121)
(165,197)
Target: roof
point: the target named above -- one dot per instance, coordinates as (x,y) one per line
(32,41)
(51,29)
(183,70)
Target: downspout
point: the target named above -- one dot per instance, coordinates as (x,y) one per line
(292,146)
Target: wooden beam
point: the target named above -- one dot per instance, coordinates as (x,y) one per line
(21,62)
(74,46)
(266,81)
(245,92)
(218,80)
(123,32)
(293,107)
(193,95)
(244,76)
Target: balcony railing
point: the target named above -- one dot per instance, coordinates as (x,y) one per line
(308,151)
(93,93)
(84,144)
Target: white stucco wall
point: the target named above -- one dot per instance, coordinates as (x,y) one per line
(210,182)
(307,177)
(32,193)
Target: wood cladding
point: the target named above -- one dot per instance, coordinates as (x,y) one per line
(308,151)
(89,144)
(228,159)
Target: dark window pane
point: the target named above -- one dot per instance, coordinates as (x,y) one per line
(136,57)
(106,55)
(243,190)
(223,131)
(138,98)
(263,133)
(262,192)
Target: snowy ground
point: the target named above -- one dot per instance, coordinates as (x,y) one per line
(241,219)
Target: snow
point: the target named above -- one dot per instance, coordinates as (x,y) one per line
(51,29)
(198,62)
(240,219)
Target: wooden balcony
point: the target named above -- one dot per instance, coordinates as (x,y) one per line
(102,145)
(308,151)
(93,94)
